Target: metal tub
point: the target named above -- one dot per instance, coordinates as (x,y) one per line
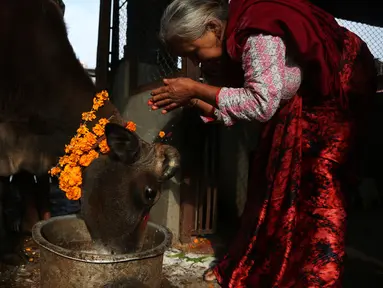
(67,258)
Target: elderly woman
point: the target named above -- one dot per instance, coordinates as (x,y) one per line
(309,81)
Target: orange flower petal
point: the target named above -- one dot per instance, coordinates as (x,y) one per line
(103,121)
(55,171)
(88,116)
(104,148)
(131,126)
(82,129)
(98,130)
(74,193)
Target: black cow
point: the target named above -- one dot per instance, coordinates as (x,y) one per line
(43,91)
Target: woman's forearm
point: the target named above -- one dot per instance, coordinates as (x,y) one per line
(206,93)
(206,109)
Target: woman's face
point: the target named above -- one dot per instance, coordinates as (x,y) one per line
(205,48)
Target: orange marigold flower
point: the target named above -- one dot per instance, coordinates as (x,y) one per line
(86,159)
(131,126)
(82,129)
(97,103)
(73,143)
(64,160)
(103,96)
(88,116)
(80,151)
(90,138)
(85,143)
(74,140)
(71,175)
(74,193)
(73,159)
(68,148)
(63,182)
(70,160)
(104,148)
(55,171)
(98,130)
(161,134)
(73,170)
(103,121)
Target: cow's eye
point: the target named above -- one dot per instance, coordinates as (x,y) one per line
(150,193)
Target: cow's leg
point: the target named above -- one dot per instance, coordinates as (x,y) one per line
(43,197)
(3,229)
(10,252)
(26,184)
(13,207)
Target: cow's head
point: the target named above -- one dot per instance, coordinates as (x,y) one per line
(120,188)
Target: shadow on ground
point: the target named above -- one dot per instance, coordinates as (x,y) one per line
(364,262)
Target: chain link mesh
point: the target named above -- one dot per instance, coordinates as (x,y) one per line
(372,35)
(123,27)
(165,65)
(154,61)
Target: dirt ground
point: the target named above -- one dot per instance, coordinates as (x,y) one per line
(179,270)
(184,268)
(184,265)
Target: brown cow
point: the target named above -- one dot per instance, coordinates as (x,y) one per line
(43,92)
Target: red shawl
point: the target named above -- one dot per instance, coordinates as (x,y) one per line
(310,34)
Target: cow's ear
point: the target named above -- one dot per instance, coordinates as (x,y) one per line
(124,145)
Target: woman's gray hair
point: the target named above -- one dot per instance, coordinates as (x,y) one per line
(187,19)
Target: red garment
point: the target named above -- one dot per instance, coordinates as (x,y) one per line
(292,229)
(312,35)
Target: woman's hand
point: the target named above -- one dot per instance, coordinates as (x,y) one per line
(177,92)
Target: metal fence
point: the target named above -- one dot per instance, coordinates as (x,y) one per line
(372,35)
(122,27)
(146,27)
(135,35)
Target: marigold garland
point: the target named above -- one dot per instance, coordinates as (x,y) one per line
(83,149)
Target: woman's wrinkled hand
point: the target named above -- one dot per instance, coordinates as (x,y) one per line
(175,93)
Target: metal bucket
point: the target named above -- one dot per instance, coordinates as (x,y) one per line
(68,260)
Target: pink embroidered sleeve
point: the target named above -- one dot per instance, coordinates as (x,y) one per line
(269,79)
(217,117)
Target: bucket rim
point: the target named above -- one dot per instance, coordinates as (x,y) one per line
(99,258)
